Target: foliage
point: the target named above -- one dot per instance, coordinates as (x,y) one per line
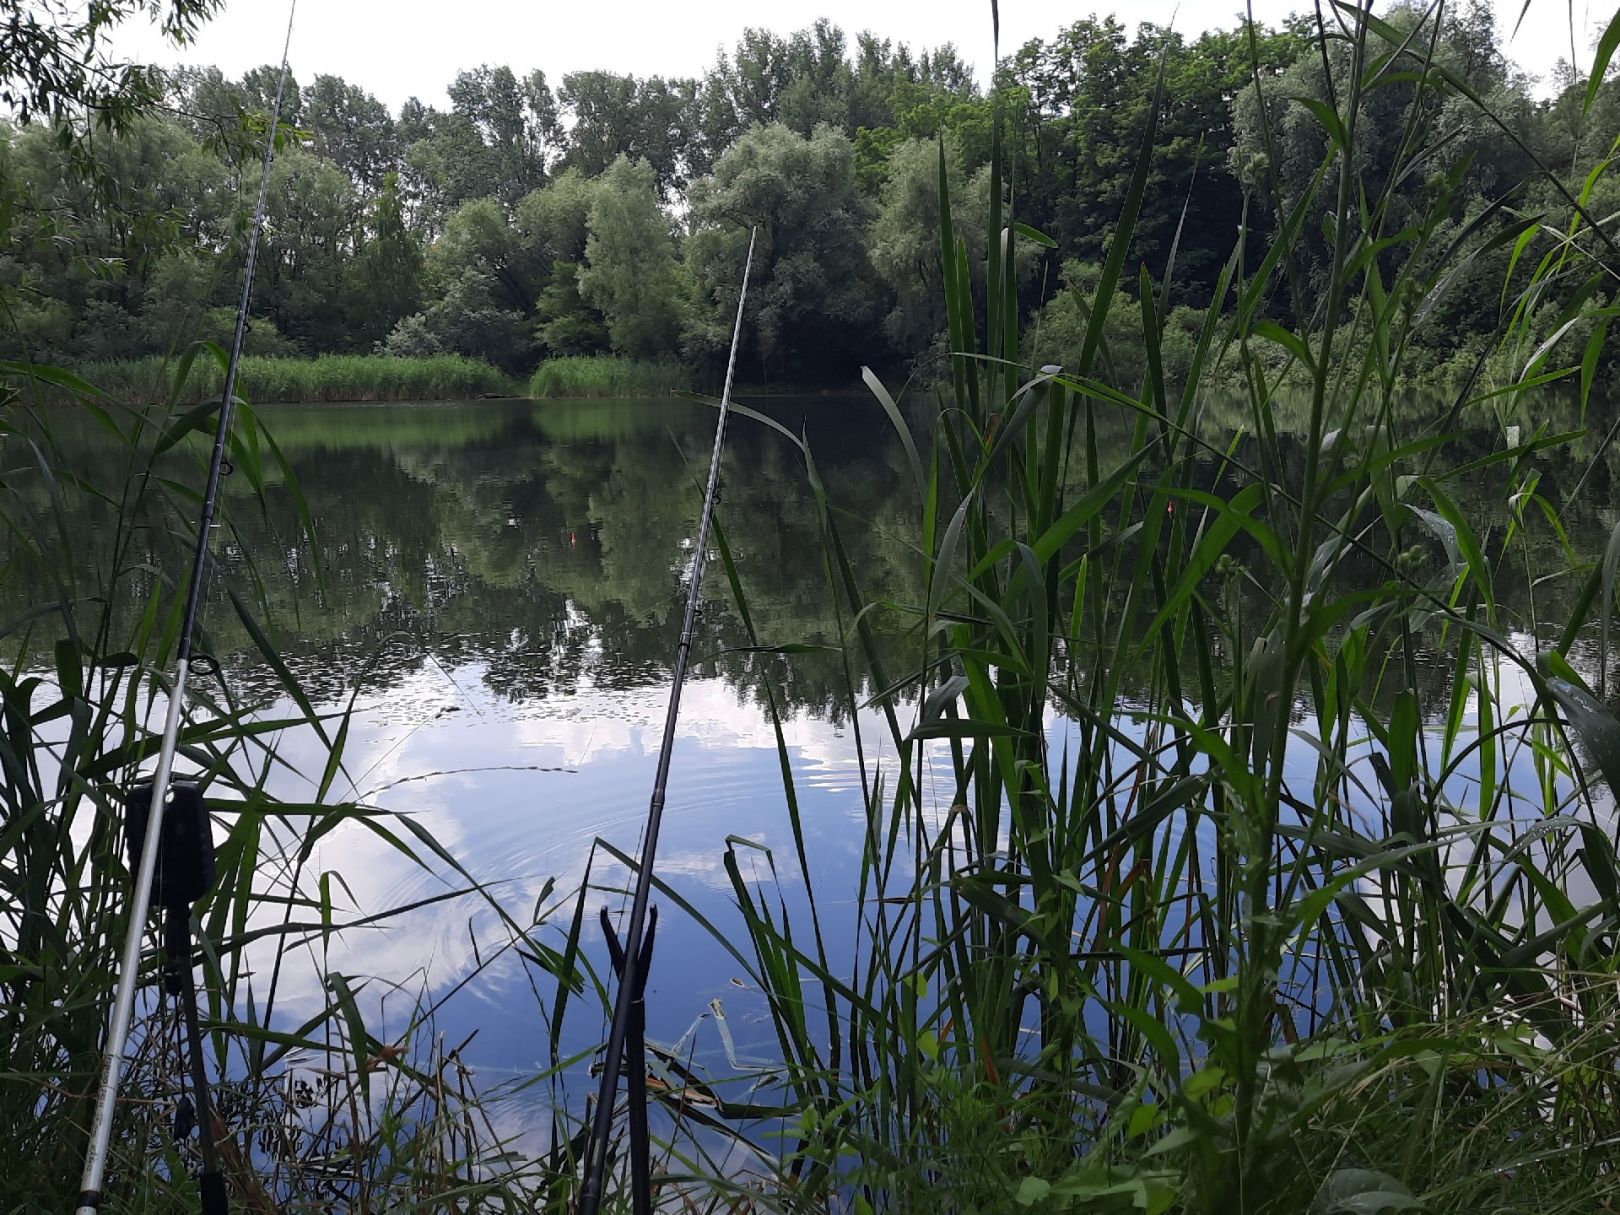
(53,63)
(494,142)
(811,287)
(465,230)
(568,326)
(607,376)
(1059,329)
(905,247)
(629,273)
(353,130)
(618,117)
(387,270)
(555,221)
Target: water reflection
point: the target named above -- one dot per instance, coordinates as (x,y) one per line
(546,542)
(502,582)
(519,792)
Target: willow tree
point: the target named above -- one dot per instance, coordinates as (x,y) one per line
(813,294)
(629,272)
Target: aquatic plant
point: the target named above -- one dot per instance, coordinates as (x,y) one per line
(329,377)
(1175,894)
(604,375)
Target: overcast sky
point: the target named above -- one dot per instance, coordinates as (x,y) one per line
(403,48)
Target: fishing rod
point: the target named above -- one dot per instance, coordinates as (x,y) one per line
(632,962)
(175,819)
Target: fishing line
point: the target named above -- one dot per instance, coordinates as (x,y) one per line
(632,958)
(168,800)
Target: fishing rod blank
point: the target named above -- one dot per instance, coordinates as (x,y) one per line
(163,794)
(631,979)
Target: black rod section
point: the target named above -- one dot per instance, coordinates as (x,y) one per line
(595,1164)
(635,1063)
(179,949)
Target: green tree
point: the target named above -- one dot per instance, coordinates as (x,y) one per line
(615,115)
(352,129)
(543,129)
(183,287)
(446,165)
(760,73)
(314,223)
(924,112)
(1059,329)
(480,237)
(819,80)
(812,302)
(385,282)
(554,221)
(553,224)
(629,274)
(905,240)
(1277,163)
(566,324)
(513,121)
(79,262)
(229,116)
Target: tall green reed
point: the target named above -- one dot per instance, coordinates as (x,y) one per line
(601,375)
(74,733)
(329,377)
(1212,913)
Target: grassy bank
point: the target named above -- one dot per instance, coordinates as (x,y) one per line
(332,377)
(603,375)
(445,377)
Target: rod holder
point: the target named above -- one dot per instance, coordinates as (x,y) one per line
(186,866)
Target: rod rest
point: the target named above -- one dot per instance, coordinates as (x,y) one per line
(185,863)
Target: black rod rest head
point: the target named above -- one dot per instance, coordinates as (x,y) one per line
(616,950)
(185,862)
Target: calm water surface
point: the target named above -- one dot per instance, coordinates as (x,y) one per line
(512,577)
(501,592)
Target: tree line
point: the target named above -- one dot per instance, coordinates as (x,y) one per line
(609,213)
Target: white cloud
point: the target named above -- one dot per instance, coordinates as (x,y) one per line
(403,48)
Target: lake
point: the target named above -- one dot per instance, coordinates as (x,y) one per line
(516,575)
(497,592)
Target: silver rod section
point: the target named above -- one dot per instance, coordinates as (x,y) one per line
(140,904)
(595,1162)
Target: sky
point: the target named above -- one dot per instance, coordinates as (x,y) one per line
(397,49)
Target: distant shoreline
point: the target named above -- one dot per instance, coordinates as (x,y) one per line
(383,379)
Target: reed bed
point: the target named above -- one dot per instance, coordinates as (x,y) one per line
(607,376)
(328,377)
(1214,909)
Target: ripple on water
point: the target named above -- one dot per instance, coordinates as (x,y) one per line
(519,792)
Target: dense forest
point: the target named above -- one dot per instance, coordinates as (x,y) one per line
(608,213)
